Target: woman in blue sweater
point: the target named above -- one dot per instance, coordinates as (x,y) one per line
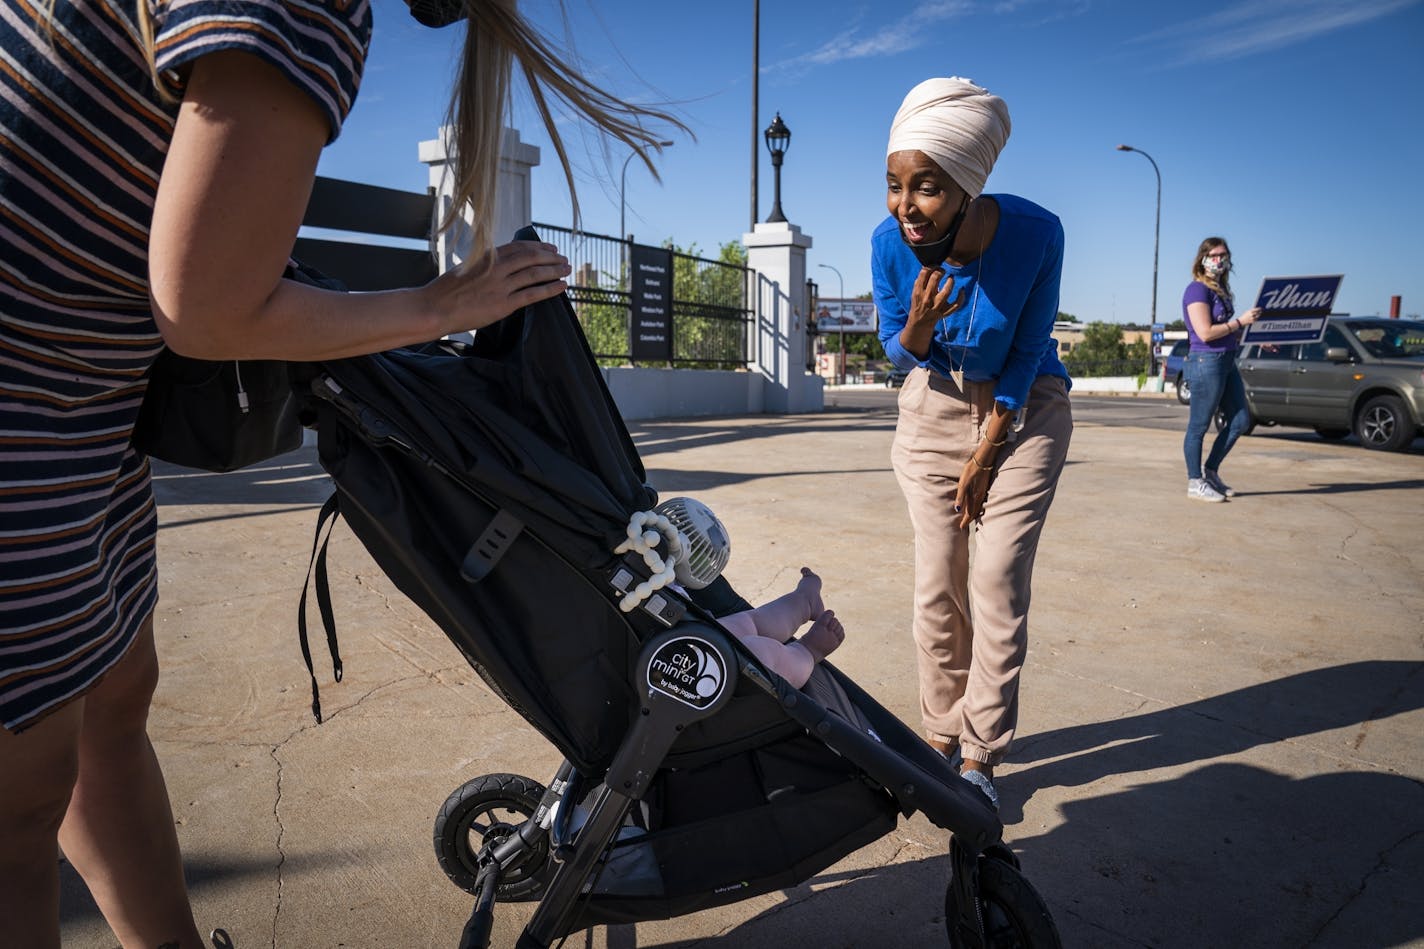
(967,288)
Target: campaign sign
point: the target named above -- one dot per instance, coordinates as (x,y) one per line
(845,316)
(650,325)
(1293,309)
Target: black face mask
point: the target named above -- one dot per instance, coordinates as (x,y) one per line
(437,13)
(934,253)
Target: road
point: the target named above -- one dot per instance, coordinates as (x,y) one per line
(1116,412)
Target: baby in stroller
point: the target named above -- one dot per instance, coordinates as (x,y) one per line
(701,554)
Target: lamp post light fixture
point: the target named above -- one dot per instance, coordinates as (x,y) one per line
(841,324)
(778,140)
(622,190)
(1156,240)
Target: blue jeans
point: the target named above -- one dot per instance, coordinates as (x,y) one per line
(1216,385)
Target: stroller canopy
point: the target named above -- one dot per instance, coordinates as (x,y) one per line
(510,448)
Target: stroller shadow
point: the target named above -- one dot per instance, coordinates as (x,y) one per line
(1328,859)
(900,906)
(1222,853)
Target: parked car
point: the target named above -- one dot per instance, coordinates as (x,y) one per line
(1365,376)
(1172,364)
(895,378)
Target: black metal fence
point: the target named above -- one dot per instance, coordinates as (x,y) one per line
(712,312)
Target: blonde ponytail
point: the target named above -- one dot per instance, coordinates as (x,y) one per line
(498,38)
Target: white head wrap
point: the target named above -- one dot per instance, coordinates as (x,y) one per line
(959,125)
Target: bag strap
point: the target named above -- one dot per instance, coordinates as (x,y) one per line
(330,511)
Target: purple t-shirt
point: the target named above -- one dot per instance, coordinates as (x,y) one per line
(1221,312)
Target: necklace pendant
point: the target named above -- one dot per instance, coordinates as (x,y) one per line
(958,376)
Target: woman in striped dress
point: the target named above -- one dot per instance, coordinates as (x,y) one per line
(155,162)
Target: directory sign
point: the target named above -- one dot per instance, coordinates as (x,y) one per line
(650,322)
(845,316)
(1293,309)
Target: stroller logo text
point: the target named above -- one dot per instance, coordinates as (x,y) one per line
(687,669)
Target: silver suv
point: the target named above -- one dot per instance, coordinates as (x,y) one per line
(1365,376)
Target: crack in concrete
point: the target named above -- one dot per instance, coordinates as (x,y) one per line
(1377,712)
(1382,864)
(281,833)
(275,752)
(1091,923)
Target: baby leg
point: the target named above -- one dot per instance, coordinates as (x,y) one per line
(783,616)
(824,636)
(792,661)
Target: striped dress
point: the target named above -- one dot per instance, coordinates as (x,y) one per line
(83,135)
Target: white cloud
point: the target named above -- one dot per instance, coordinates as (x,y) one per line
(906,33)
(1258,26)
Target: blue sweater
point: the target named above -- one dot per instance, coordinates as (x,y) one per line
(1012,300)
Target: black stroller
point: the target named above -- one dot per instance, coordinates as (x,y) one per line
(492,482)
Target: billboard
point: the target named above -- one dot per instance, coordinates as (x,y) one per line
(1293,309)
(845,316)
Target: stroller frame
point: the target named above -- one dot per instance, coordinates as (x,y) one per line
(666,711)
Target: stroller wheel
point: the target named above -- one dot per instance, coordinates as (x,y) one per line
(485,810)
(1015,916)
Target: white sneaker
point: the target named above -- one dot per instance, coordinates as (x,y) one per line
(1222,487)
(1199,490)
(984,783)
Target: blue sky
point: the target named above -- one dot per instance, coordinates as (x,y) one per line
(1294,128)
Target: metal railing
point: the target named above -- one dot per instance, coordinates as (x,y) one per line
(712,312)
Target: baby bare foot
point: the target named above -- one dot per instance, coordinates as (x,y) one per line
(809,589)
(824,635)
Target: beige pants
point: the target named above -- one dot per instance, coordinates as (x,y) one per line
(971,630)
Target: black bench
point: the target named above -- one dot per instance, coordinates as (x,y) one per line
(370,209)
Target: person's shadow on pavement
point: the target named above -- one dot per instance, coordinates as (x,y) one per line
(1231,853)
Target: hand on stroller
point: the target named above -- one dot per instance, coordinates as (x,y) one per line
(484,290)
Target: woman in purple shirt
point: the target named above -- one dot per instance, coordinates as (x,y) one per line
(1210,369)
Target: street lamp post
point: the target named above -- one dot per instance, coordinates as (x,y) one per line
(778,140)
(841,324)
(813,296)
(1156,239)
(622,190)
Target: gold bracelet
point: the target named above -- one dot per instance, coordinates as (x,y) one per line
(980,465)
(997,443)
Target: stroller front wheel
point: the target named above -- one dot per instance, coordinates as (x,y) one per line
(483,811)
(1014,915)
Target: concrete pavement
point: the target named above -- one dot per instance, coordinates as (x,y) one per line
(1220,736)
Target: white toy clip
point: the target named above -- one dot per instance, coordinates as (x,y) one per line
(645,542)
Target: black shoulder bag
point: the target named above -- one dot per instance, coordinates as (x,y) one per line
(226,414)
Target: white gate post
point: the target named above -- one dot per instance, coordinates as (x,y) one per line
(513,202)
(777,252)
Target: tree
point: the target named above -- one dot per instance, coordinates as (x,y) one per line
(1103,353)
(710,306)
(710,309)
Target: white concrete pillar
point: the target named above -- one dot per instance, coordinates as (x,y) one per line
(513,201)
(777,252)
